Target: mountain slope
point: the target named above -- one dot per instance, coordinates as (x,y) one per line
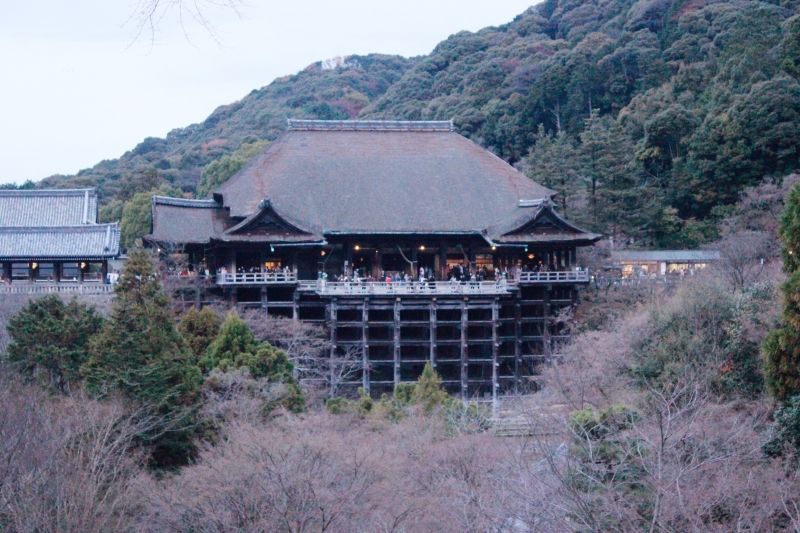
(323,90)
(703,96)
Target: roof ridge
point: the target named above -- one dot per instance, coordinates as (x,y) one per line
(103,226)
(185,202)
(49,192)
(369,125)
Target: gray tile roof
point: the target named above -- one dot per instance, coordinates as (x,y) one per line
(666,255)
(90,241)
(50,208)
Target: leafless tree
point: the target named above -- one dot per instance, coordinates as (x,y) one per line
(66,463)
(149,14)
(743,255)
(316,361)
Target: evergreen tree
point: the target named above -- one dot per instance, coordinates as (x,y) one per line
(782,345)
(621,201)
(199,329)
(554,162)
(140,354)
(428,391)
(50,340)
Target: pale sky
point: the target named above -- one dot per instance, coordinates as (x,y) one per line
(79,86)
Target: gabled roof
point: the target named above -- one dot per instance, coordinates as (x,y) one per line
(689,256)
(86,242)
(540,222)
(380,177)
(48,207)
(178,220)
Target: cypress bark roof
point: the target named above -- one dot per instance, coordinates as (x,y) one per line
(325,178)
(48,207)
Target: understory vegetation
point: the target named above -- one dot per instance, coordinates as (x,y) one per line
(679,412)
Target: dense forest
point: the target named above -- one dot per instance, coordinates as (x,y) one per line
(648,116)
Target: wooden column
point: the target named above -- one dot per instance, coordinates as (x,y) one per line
(517,342)
(7,271)
(464,350)
(546,323)
(432,337)
(264,299)
(365,346)
(495,348)
(296,304)
(396,331)
(332,321)
(443,261)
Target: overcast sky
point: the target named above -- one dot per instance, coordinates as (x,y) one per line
(79,86)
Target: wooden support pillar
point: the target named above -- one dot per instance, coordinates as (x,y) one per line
(396,331)
(546,329)
(296,304)
(264,300)
(443,261)
(365,346)
(7,271)
(517,342)
(495,349)
(573,259)
(432,337)
(231,297)
(332,321)
(464,350)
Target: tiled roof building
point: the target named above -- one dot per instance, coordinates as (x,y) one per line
(53,236)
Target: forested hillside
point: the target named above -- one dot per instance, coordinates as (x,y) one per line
(332,91)
(648,116)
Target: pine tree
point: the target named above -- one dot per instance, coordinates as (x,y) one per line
(554,162)
(620,200)
(199,329)
(782,345)
(140,354)
(50,340)
(428,391)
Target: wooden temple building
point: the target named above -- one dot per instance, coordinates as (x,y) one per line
(50,241)
(409,242)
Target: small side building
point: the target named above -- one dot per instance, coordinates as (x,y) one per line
(649,263)
(52,238)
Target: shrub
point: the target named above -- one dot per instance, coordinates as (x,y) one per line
(199,329)
(50,340)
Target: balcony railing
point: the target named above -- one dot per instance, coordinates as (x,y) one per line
(256,278)
(567,276)
(57,288)
(345,288)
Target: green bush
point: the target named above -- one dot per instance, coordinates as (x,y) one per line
(199,329)
(50,340)
(786,430)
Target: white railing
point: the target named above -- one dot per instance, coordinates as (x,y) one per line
(567,276)
(57,288)
(334,288)
(255,278)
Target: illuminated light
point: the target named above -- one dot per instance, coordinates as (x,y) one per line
(322,253)
(422,247)
(271,248)
(83,266)
(356,247)
(494,248)
(530,256)
(34,265)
